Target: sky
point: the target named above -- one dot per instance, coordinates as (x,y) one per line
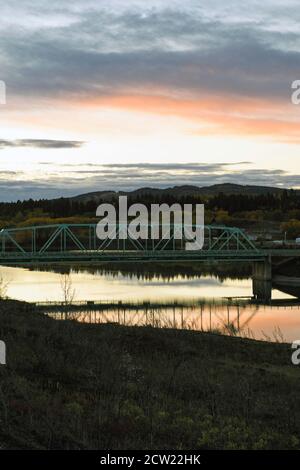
(114,94)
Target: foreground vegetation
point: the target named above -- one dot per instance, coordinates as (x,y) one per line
(77,386)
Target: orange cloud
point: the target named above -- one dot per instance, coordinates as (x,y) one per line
(206,116)
(217,115)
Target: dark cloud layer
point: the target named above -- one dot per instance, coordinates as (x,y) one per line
(105,53)
(41,143)
(77,180)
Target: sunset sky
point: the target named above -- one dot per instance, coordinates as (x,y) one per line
(115,94)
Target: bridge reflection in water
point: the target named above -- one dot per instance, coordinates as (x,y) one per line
(235,317)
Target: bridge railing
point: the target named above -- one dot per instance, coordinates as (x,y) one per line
(63,238)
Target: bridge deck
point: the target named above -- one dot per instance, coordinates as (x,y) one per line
(89,256)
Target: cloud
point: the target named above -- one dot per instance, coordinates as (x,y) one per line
(188,60)
(175,50)
(153,167)
(78,180)
(243,68)
(41,143)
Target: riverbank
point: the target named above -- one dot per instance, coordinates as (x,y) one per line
(78,386)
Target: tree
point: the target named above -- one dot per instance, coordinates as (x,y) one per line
(222,217)
(4,283)
(292,228)
(67,288)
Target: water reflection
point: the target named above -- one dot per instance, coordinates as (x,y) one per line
(34,285)
(201,288)
(243,318)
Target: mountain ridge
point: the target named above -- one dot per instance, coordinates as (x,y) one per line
(185,190)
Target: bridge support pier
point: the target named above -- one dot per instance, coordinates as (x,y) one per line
(262,280)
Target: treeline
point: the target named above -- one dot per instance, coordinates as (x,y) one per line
(232,203)
(62,207)
(285,201)
(253,212)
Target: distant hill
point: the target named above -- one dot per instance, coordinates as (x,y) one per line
(226,188)
(229,188)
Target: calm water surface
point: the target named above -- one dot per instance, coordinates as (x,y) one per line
(258,321)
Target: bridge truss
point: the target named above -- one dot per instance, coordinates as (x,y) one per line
(79,242)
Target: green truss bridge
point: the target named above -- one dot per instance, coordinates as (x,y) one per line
(78,243)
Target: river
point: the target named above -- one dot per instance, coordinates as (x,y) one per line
(279,322)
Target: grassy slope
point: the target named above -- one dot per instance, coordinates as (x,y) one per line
(70,385)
